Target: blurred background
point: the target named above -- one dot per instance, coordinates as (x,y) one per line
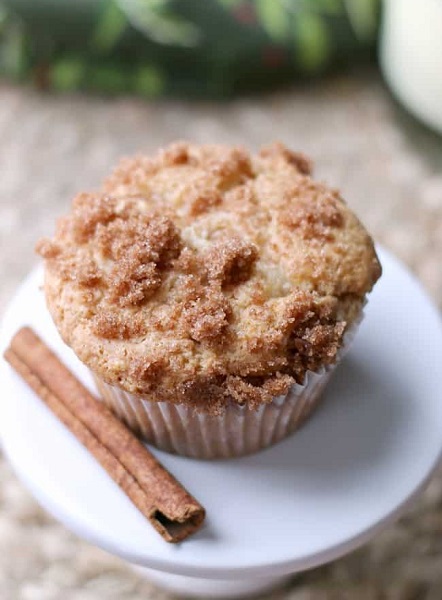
(355,84)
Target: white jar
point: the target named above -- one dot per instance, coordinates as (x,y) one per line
(411,56)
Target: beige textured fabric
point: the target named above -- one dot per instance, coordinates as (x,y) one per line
(389,169)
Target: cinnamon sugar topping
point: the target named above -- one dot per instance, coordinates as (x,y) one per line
(206,275)
(207,318)
(316,215)
(278,152)
(111,325)
(231,260)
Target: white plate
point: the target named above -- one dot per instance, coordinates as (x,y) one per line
(353,467)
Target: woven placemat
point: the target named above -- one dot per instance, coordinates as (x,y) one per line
(389,169)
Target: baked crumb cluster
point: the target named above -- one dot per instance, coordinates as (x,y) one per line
(205,274)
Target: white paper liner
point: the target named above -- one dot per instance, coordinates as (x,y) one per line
(183,430)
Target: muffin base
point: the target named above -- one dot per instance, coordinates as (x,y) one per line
(238,431)
(180,429)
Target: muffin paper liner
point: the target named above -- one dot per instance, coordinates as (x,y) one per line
(238,431)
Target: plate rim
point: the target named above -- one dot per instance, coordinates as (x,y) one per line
(267,568)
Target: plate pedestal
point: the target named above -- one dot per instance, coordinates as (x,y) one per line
(211,588)
(349,472)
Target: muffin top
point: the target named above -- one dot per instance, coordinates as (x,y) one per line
(206,274)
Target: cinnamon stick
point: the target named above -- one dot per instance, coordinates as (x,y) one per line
(173,512)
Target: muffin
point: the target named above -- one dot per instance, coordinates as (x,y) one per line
(211,292)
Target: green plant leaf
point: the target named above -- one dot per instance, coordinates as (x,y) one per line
(148,81)
(274,18)
(152,18)
(107,78)
(3,16)
(13,44)
(312,42)
(230,3)
(331,7)
(67,73)
(110,27)
(363,18)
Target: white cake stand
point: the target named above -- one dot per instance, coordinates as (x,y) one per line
(352,469)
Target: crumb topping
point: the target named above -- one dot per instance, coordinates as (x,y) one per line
(112,326)
(231,260)
(207,275)
(315,216)
(206,318)
(277,152)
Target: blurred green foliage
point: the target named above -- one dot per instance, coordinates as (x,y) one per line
(211,48)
